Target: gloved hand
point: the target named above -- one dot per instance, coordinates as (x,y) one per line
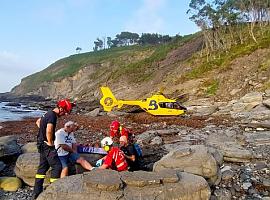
(99,162)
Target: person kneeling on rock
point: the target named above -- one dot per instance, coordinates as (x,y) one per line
(65,145)
(130,154)
(115,159)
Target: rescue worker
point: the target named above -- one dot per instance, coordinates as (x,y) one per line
(115,159)
(65,144)
(45,144)
(116,131)
(130,154)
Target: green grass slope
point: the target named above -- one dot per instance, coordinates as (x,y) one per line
(162,65)
(129,61)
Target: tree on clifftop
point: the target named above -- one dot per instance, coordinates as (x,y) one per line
(78,49)
(98,45)
(225,23)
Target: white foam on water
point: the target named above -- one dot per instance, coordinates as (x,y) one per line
(12,113)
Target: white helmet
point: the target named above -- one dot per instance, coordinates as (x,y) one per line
(107,141)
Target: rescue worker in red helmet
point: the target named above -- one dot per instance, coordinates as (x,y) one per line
(115,159)
(45,144)
(116,131)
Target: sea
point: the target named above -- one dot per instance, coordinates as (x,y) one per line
(14,113)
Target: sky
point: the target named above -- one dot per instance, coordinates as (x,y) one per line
(37,33)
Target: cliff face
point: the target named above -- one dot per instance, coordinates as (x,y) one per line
(67,87)
(129,73)
(137,73)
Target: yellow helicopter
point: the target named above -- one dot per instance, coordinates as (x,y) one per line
(158,104)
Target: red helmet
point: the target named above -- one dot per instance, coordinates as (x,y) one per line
(65,104)
(114,129)
(115,125)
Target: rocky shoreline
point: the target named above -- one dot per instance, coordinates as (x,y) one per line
(235,146)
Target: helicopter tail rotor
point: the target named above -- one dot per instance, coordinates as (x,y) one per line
(108,101)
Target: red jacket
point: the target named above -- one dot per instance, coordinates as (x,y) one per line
(116,159)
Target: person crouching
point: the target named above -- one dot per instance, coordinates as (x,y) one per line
(130,154)
(115,159)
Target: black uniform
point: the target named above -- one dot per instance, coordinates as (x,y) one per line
(129,150)
(48,154)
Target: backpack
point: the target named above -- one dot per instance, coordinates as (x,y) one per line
(139,156)
(138,150)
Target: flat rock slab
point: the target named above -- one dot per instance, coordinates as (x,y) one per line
(105,180)
(140,178)
(235,153)
(231,150)
(188,187)
(169,176)
(258,138)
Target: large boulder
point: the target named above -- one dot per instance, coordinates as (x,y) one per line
(109,184)
(26,168)
(9,146)
(30,147)
(27,164)
(194,159)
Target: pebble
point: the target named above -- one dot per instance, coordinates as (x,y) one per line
(227,175)
(246,185)
(225,168)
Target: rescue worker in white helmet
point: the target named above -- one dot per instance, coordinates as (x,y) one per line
(115,159)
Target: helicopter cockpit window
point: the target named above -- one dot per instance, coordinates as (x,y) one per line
(162,105)
(176,106)
(166,105)
(179,106)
